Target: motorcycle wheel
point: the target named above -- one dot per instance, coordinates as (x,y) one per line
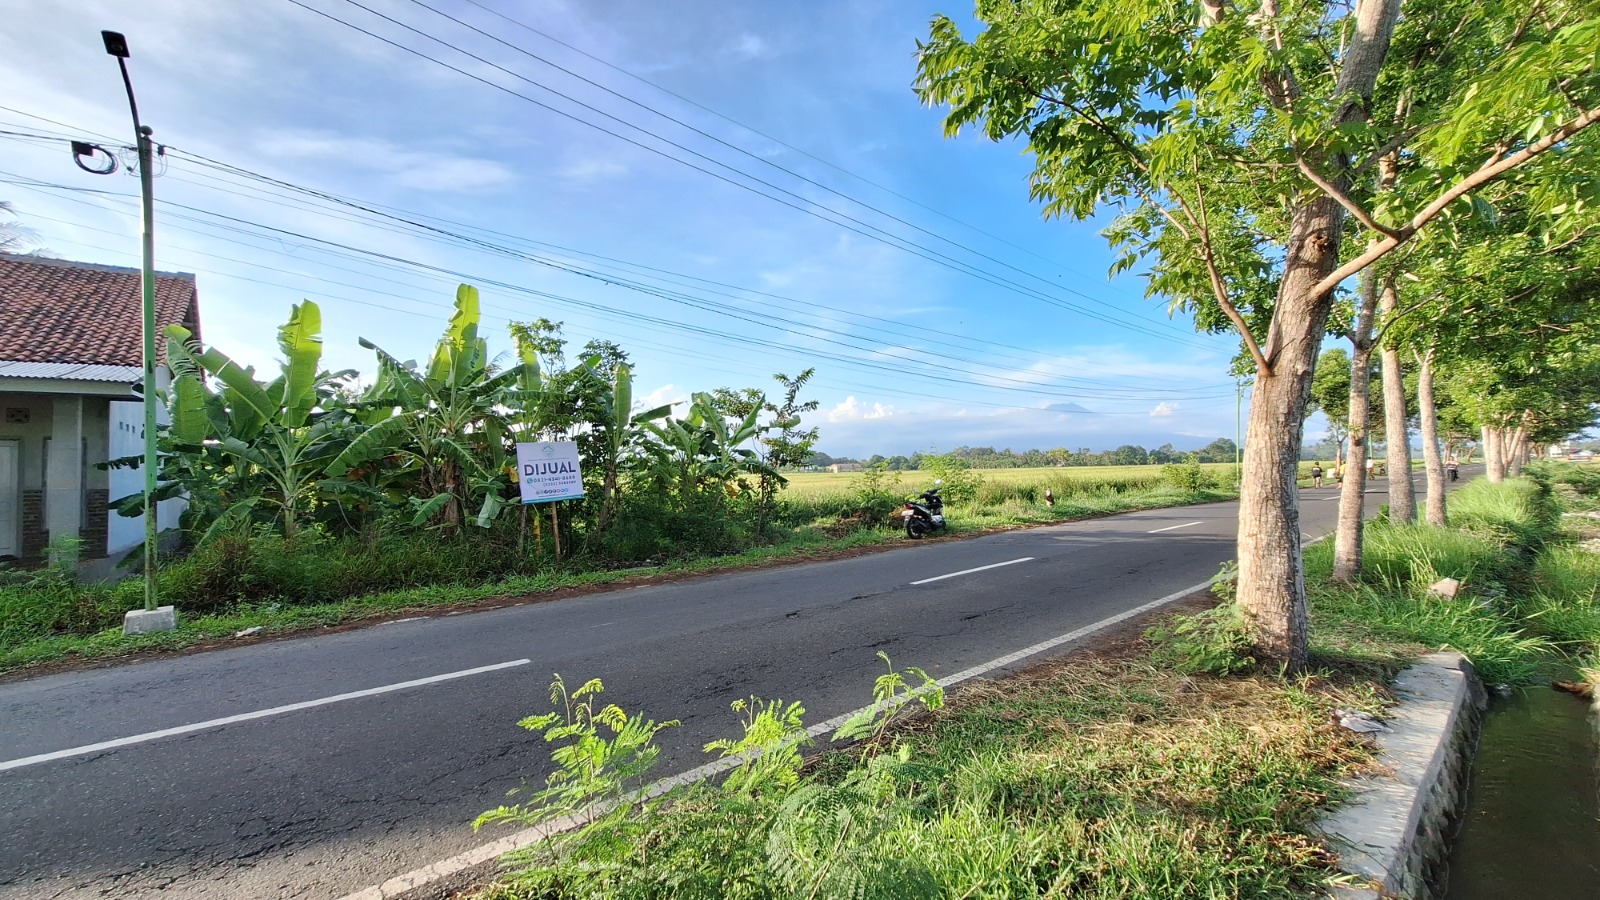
(916,528)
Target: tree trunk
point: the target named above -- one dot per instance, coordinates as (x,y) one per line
(1397,434)
(1514,450)
(452,507)
(1494,462)
(1353,490)
(1271,586)
(1428,416)
(608,495)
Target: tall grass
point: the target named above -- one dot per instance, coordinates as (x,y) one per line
(1564,601)
(1408,559)
(1525,597)
(1517,512)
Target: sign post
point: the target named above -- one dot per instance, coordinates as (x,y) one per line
(547,472)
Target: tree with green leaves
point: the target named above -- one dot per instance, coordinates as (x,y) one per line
(1234,141)
(447,423)
(271,442)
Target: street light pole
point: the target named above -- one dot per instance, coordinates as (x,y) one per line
(117,46)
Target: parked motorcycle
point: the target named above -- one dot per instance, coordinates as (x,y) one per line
(927,516)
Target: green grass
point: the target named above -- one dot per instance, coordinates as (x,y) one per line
(1528,602)
(1094,777)
(1063,480)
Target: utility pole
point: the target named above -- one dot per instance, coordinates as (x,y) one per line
(1238,430)
(164,618)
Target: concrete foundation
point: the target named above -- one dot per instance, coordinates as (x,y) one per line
(150,621)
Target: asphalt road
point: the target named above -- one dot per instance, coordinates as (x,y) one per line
(318,801)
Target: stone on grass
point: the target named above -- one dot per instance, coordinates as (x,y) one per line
(1445,588)
(253,629)
(1358,722)
(150,621)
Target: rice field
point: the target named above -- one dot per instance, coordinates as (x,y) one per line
(1063,480)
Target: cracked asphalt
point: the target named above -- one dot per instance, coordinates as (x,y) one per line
(319,802)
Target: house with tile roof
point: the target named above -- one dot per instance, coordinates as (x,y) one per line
(71,397)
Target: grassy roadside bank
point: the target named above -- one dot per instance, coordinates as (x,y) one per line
(47,617)
(1129,771)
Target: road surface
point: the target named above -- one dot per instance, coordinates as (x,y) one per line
(313,794)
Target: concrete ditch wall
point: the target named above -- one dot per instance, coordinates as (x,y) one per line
(1394,834)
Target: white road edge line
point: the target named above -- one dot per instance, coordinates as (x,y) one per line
(1011,562)
(445,868)
(1175,527)
(245,717)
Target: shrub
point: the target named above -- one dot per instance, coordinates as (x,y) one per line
(1186,476)
(961,481)
(876,494)
(1213,642)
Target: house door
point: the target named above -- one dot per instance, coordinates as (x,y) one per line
(10,492)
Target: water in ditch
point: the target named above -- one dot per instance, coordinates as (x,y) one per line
(1531,827)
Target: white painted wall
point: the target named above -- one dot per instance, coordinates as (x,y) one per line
(10,494)
(126,438)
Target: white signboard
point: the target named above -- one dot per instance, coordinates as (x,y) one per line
(548,470)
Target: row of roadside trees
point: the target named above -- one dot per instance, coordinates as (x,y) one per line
(1218,451)
(1259,156)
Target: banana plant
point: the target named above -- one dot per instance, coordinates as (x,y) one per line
(273,443)
(619,426)
(448,421)
(702,448)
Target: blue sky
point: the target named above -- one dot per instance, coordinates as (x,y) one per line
(1010,335)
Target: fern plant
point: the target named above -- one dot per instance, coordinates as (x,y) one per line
(603,752)
(890,695)
(770,748)
(838,842)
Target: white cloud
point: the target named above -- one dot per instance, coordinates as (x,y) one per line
(667,393)
(852,409)
(750,46)
(421,170)
(1165,409)
(594,170)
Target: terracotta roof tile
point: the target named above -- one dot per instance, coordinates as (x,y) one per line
(57,311)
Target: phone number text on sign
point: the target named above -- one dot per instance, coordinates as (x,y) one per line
(548,471)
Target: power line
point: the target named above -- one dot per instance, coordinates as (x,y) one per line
(439,307)
(697,301)
(734,147)
(600,308)
(508,316)
(871,232)
(761,134)
(629,265)
(1094,386)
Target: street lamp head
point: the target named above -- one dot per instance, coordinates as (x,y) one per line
(116,44)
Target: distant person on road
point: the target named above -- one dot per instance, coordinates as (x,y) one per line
(1316,475)
(1452,468)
